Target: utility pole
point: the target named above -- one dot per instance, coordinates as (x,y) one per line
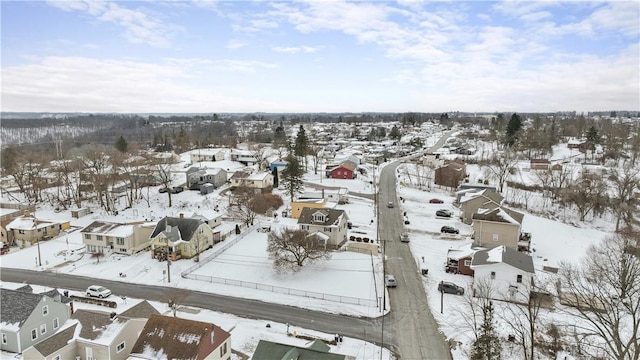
(168,263)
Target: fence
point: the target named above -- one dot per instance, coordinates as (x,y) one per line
(188,274)
(283,290)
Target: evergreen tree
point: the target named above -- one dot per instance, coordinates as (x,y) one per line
(487,346)
(292,177)
(275,176)
(301,146)
(513,129)
(395,133)
(121,145)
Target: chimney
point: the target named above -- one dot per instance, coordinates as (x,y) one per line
(181,215)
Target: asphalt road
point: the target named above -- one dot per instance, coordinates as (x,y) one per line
(408,330)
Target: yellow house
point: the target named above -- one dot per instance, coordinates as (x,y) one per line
(180,238)
(298,205)
(27,230)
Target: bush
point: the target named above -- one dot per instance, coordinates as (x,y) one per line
(263,202)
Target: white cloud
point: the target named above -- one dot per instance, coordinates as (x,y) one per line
(236,44)
(139,26)
(297,49)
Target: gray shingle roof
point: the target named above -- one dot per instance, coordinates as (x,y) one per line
(141,310)
(276,351)
(508,256)
(186,226)
(332,216)
(93,323)
(56,341)
(17,305)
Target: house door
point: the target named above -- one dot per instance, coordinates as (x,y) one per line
(89,353)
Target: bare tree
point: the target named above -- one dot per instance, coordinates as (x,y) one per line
(624,181)
(242,205)
(258,152)
(291,249)
(315,151)
(475,301)
(605,288)
(588,194)
(524,321)
(162,170)
(501,166)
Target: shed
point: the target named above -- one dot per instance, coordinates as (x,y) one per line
(206,188)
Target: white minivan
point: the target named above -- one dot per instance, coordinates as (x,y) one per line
(98,291)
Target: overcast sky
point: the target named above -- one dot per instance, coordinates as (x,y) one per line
(314,56)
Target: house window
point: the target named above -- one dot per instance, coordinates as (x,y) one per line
(223,349)
(327,229)
(57,357)
(493,274)
(99,237)
(519,278)
(120,347)
(45,310)
(467,263)
(20,231)
(87,236)
(4,338)
(34,334)
(43,329)
(56,323)
(120,241)
(495,237)
(305,227)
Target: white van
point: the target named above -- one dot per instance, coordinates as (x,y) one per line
(404,237)
(390,280)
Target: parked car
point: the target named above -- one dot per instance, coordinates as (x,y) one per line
(4,248)
(450,288)
(390,280)
(98,291)
(444,213)
(404,237)
(406,221)
(264,228)
(449,230)
(436,201)
(390,204)
(163,190)
(177,189)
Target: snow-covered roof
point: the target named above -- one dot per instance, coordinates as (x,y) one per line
(503,254)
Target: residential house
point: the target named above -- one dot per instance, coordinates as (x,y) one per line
(450,174)
(101,237)
(180,238)
(200,155)
(262,181)
(432,160)
(336,195)
(317,350)
(28,230)
(246,157)
(330,222)
(472,201)
(196,177)
(508,272)
(27,318)
(277,164)
(345,170)
(539,164)
(176,338)
(495,227)
(459,260)
(94,335)
(579,144)
(299,204)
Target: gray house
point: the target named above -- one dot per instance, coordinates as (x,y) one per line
(330,222)
(27,318)
(197,177)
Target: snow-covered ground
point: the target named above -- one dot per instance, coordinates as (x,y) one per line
(247,261)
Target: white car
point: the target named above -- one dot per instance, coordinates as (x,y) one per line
(390,280)
(98,291)
(404,237)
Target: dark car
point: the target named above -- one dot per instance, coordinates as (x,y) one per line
(450,288)
(163,190)
(449,230)
(177,189)
(436,201)
(406,221)
(444,213)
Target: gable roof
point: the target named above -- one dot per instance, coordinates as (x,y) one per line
(56,341)
(277,351)
(332,216)
(176,338)
(93,324)
(141,310)
(17,306)
(109,229)
(186,227)
(487,194)
(499,214)
(506,255)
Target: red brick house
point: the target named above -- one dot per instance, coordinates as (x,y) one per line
(450,174)
(342,171)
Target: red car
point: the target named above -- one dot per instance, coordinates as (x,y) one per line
(436,201)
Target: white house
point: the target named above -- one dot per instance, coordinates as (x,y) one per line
(509,272)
